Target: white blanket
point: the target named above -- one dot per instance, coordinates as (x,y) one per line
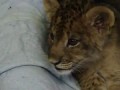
(23,61)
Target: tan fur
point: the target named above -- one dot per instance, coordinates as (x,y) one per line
(84,39)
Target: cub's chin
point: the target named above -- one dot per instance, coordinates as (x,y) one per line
(64,72)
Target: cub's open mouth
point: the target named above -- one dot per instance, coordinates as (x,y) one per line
(65,66)
(61,69)
(64,71)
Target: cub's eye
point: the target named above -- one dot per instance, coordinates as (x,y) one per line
(51,36)
(72,42)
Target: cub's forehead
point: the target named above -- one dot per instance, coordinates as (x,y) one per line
(68,13)
(66,19)
(72,25)
(59,25)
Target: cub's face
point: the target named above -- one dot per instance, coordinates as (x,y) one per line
(75,40)
(72,45)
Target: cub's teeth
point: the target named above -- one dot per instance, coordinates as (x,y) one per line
(64,66)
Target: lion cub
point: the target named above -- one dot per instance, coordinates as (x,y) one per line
(84,40)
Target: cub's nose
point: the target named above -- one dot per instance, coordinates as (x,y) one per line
(55,61)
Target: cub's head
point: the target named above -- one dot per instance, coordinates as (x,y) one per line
(77,39)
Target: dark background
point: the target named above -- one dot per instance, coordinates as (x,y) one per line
(114,3)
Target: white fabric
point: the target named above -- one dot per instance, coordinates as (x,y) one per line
(31,78)
(23,62)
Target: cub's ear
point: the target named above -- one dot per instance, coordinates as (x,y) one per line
(100,17)
(50,7)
